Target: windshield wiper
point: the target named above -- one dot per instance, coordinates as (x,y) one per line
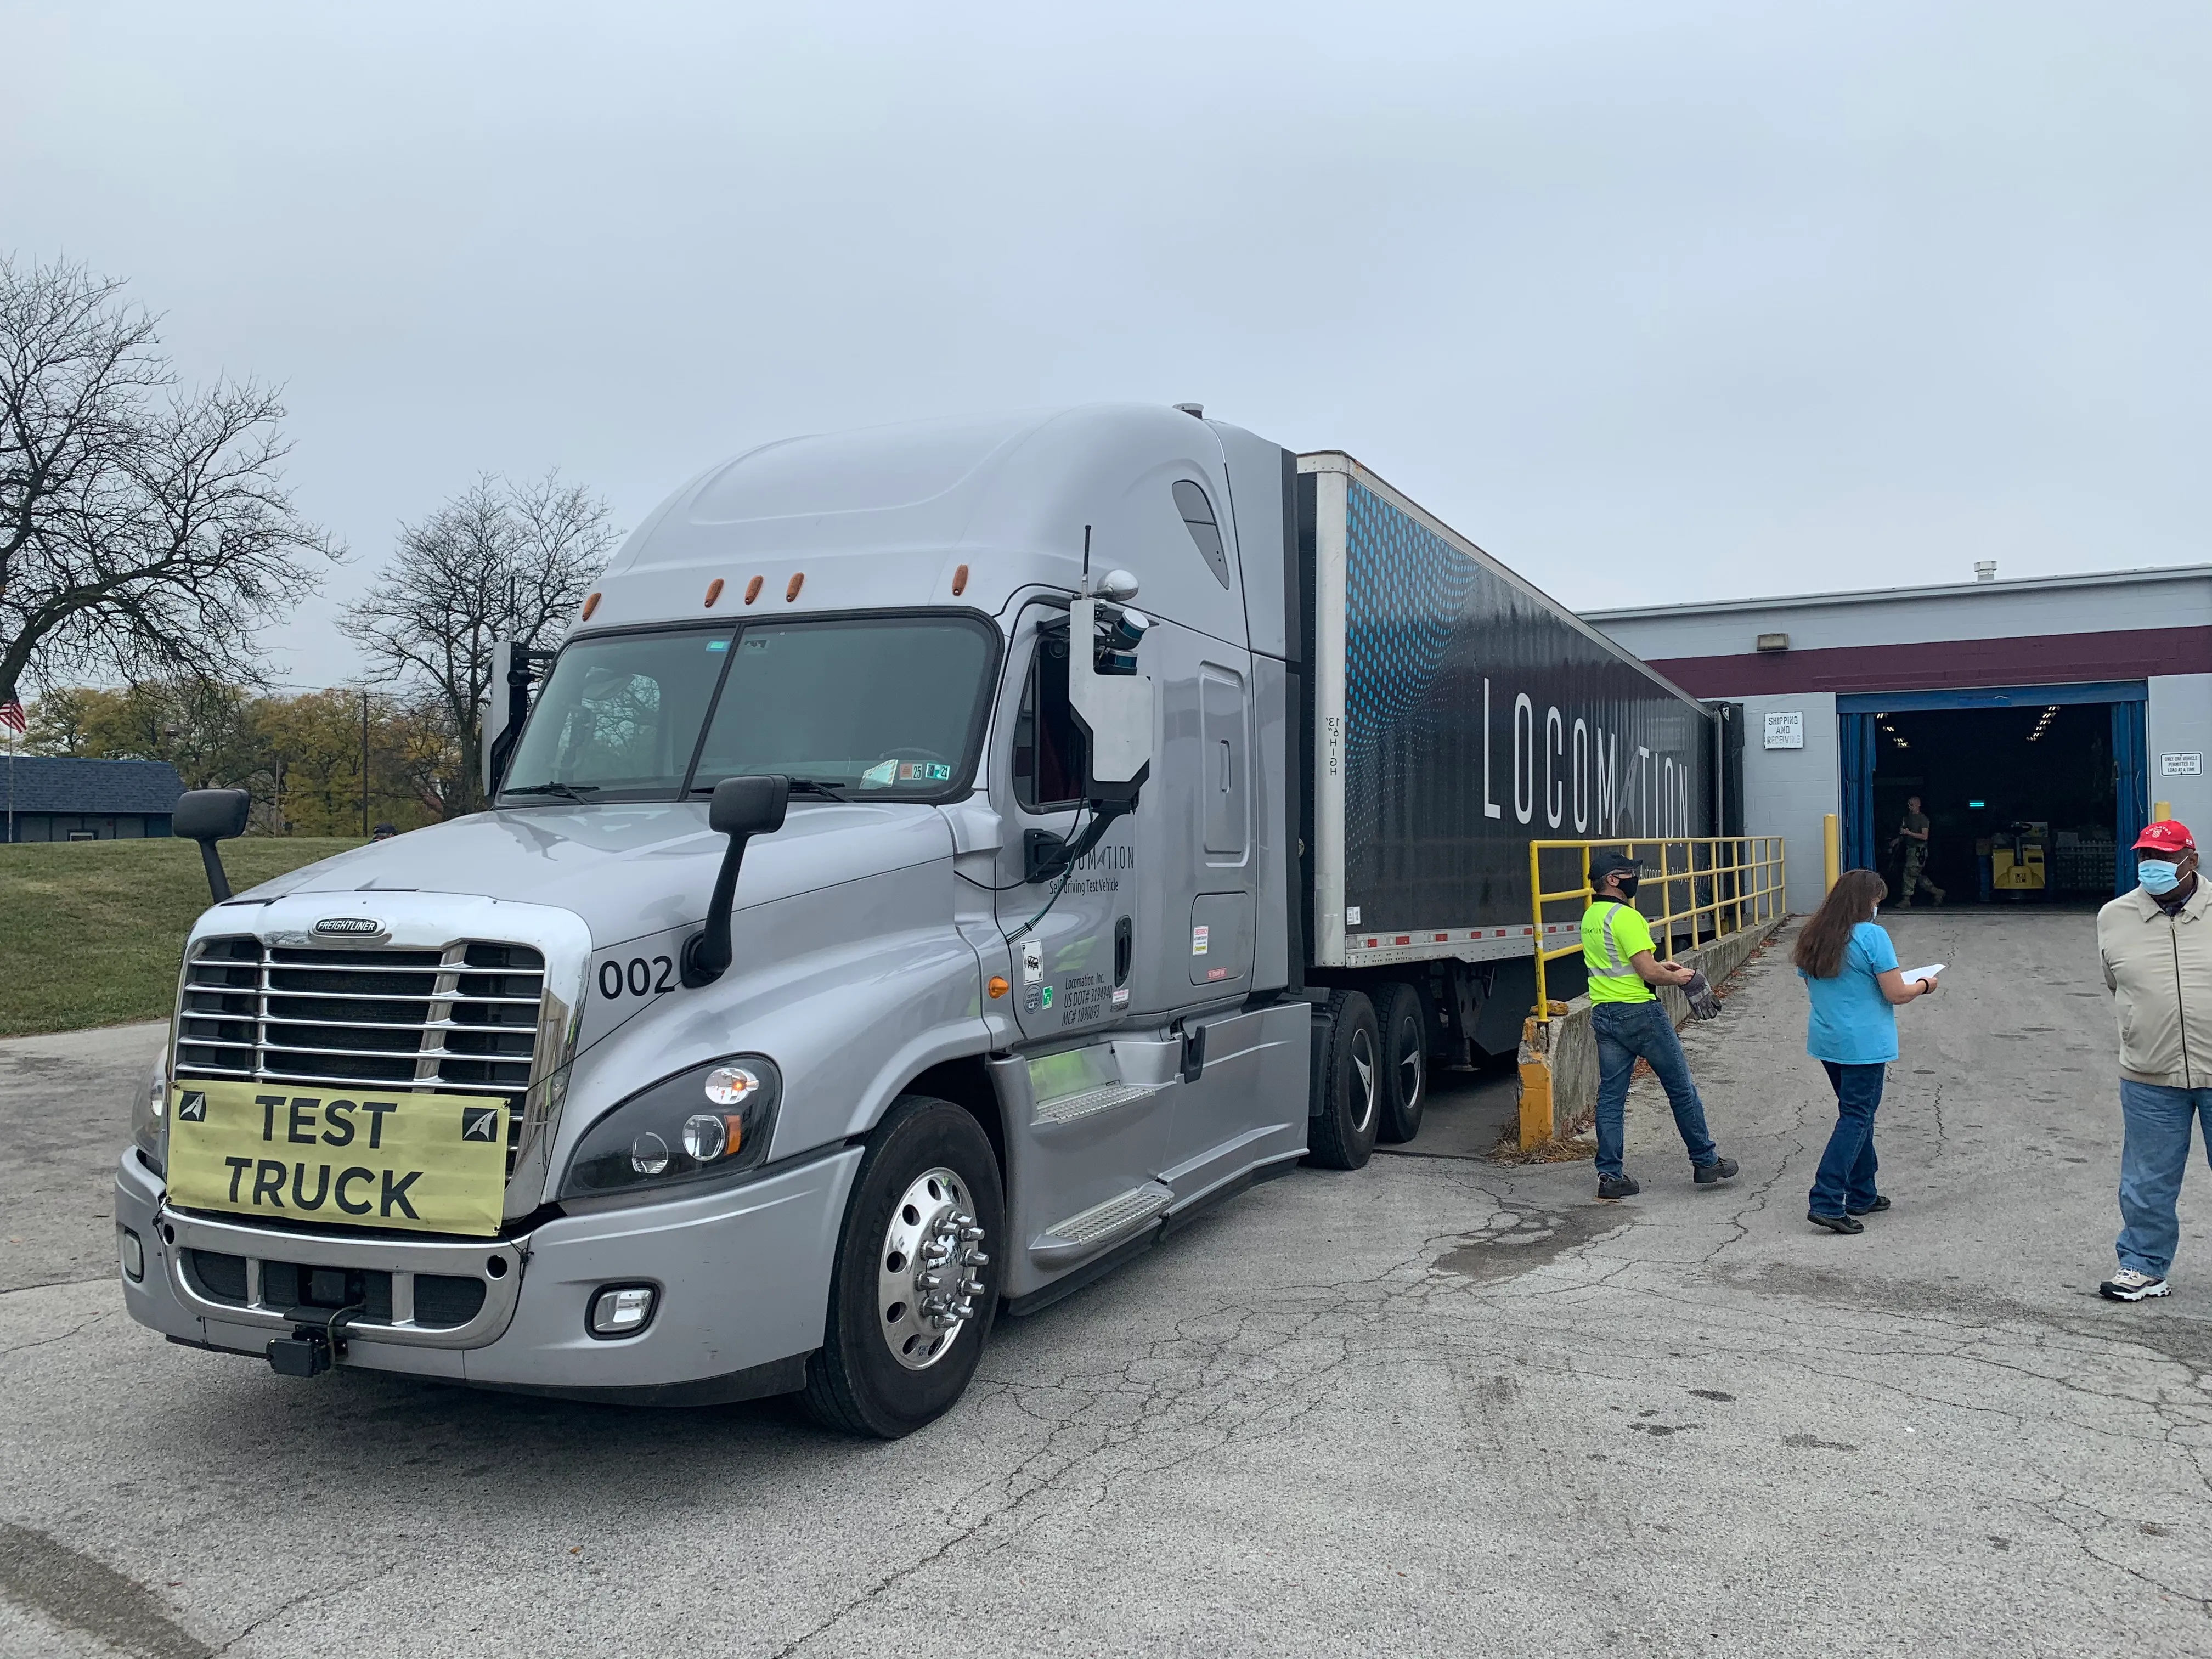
(565,791)
(799,786)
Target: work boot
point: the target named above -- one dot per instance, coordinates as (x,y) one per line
(1939,895)
(1835,1224)
(1619,1186)
(1876,1208)
(1721,1168)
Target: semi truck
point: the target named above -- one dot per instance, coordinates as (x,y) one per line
(939,862)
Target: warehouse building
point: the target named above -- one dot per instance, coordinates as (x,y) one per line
(63,798)
(2040,721)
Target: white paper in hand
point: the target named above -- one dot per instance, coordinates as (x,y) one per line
(1929,972)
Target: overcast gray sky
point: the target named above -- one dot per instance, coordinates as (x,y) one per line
(1655,302)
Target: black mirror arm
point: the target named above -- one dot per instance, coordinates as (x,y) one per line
(218,878)
(706,953)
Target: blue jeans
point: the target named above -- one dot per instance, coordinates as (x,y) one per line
(2152,1158)
(1846,1178)
(1626,1031)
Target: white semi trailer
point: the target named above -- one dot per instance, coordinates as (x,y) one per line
(940,861)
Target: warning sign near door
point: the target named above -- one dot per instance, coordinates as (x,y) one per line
(2182,766)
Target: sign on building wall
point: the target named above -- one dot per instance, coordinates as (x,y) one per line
(2181,766)
(1785,731)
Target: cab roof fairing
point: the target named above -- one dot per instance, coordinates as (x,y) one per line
(883,518)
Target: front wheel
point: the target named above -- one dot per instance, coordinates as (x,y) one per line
(914,1289)
(1341,1133)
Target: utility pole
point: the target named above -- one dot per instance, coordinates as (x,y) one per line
(364,762)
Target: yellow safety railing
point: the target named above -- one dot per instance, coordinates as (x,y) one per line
(1743,878)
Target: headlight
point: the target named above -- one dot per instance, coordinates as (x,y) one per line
(149,1115)
(712,1119)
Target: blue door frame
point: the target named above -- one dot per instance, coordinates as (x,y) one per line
(1856,736)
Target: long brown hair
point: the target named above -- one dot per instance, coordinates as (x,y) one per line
(1820,947)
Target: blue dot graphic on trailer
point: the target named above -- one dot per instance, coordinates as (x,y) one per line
(1405,589)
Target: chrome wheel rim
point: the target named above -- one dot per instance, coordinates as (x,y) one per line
(1362,1081)
(929,1270)
(1409,1063)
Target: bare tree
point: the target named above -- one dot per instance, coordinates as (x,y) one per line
(144,532)
(498,561)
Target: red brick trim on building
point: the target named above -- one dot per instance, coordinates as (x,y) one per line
(1949,664)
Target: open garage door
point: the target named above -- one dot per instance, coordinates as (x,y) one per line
(2032,793)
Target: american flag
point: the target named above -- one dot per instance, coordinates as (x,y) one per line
(11,716)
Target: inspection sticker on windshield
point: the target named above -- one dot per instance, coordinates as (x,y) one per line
(431,1163)
(923,772)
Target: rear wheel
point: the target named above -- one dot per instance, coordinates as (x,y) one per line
(914,1289)
(1405,1091)
(1341,1133)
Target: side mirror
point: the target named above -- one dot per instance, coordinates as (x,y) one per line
(1115,709)
(208,816)
(740,808)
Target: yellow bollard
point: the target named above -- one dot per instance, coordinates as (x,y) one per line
(2161,810)
(1831,852)
(1535,1083)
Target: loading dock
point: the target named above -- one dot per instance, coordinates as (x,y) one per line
(2041,722)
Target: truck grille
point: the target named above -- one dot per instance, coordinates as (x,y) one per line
(463,1020)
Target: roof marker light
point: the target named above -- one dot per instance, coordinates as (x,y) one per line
(752,590)
(590,604)
(713,591)
(791,588)
(959,581)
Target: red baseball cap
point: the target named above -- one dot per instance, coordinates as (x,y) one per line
(2168,836)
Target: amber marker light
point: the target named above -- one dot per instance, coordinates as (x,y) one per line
(959,581)
(713,591)
(752,590)
(791,588)
(997,987)
(590,604)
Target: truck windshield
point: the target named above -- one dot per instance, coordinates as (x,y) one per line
(880,705)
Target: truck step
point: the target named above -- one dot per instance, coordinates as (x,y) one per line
(1101,1225)
(1067,1109)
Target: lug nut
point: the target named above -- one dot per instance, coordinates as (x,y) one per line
(971,1234)
(977,1259)
(971,1287)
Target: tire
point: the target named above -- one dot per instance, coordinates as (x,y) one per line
(1341,1134)
(903,1200)
(1404,1026)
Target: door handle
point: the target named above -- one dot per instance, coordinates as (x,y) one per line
(1193,1053)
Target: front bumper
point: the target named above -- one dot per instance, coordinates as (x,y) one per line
(743,1277)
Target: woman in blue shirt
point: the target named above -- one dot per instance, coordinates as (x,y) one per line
(1851,972)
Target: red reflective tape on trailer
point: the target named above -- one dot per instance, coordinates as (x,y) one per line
(1501,933)
(1404,939)
(1443,939)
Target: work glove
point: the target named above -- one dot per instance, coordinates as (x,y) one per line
(1704,1005)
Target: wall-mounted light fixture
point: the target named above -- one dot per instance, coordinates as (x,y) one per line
(1773,642)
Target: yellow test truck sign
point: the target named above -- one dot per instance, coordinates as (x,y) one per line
(432,1164)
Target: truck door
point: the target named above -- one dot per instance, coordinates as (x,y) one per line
(1087,1115)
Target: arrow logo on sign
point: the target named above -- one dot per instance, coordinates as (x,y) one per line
(480,1123)
(192,1108)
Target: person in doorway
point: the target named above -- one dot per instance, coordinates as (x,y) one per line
(1850,972)
(2155,944)
(1632,1024)
(1913,833)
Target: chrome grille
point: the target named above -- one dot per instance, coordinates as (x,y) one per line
(461,1020)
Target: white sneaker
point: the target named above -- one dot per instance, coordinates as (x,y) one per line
(2129,1286)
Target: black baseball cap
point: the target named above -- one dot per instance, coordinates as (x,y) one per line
(1606,863)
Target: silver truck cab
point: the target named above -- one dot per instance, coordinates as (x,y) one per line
(931,1064)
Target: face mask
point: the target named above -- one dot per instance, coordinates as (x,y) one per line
(1627,887)
(2157,876)
(1877,911)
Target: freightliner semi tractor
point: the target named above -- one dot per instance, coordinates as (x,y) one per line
(940,861)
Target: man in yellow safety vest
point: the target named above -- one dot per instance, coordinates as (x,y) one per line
(1632,1024)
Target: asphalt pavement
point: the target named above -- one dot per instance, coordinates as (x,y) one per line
(1438,1405)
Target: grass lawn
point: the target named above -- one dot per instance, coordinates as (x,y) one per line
(91,932)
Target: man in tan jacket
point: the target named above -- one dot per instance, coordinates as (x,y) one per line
(2156,944)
